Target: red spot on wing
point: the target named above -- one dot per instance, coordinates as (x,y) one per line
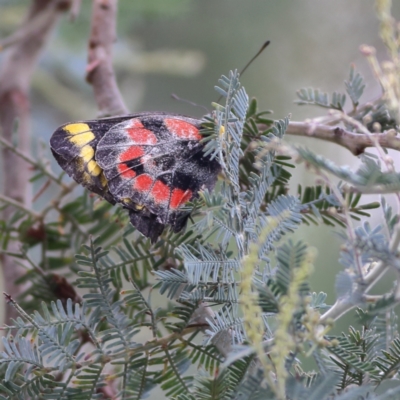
(138,134)
(143,183)
(182,129)
(179,197)
(160,192)
(125,171)
(142,136)
(131,153)
(136,123)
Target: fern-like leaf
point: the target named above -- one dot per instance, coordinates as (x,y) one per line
(315,97)
(355,86)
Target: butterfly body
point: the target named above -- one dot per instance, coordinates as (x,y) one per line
(150,163)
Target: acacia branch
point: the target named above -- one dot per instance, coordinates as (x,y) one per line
(20,206)
(15,77)
(356,143)
(35,164)
(33,28)
(343,305)
(100,72)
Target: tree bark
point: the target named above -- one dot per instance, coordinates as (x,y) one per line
(356,143)
(15,77)
(100,71)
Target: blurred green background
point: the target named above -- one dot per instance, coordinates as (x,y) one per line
(183,46)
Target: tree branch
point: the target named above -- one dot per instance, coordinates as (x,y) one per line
(343,305)
(35,164)
(356,143)
(100,72)
(15,76)
(20,206)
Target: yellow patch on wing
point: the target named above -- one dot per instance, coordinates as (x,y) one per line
(76,128)
(79,165)
(80,133)
(93,168)
(126,200)
(83,176)
(87,153)
(103,180)
(86,178)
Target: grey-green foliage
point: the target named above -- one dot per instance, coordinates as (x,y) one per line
(369,178)
(355,86)
(196,345)
(366,114)
(315,97)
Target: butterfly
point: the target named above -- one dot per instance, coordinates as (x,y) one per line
(149,163)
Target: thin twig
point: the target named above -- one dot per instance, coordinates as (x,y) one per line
(349,224)
(31,161)
(17,204)
(41,190)
(31,29)
(356,143)
(75,9)
(373,189)
(154,343)
(34,266)
(386,160)
(73,221)
(342,305)
(55,203)
(100,72)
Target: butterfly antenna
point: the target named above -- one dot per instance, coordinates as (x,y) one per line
(262,48)
(175,97)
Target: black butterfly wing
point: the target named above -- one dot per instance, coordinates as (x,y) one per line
(155,163)
(74,147)
(150,163)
